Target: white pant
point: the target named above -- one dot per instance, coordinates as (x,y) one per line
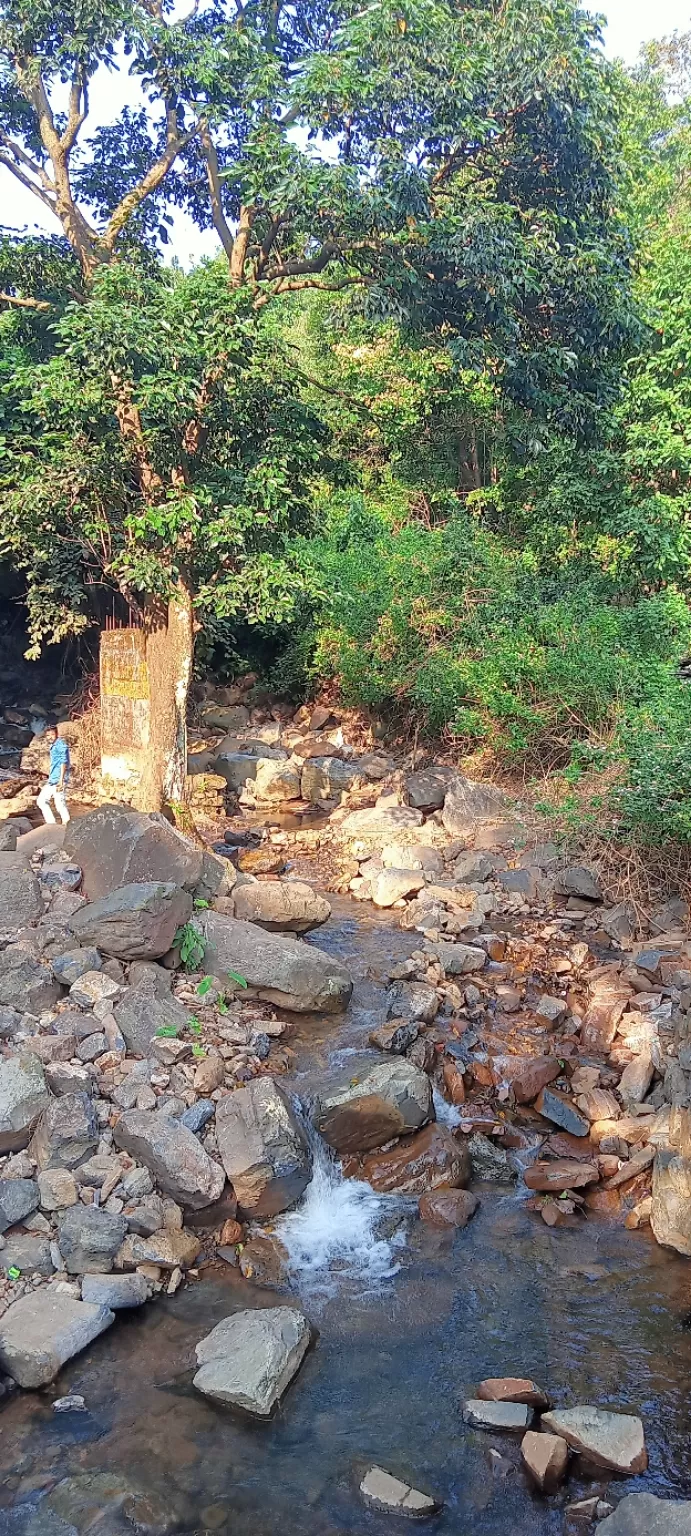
(52,792)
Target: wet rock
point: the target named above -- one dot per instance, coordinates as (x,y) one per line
(278,969)
(250,1359)
(134,922)
(265,1261)
(327,778)
(20,892)
(116,847)
(448,1207)
(642,1514)
(67,1132)
(527,1076)
(264,1149)
(490,1162)
(89,1238)
(421,1053)
(381,821)
(18,1198)
(23,1095)
(412,1000)
(458,959)
(389,1100)
(428,1160)
(562,1112)
(487,1415)
(288,906)
(57,1189)
(563,1173)
(41,1331)
(383,1491)
(426,789)
(670,1216)
(611,1440)
(28,1253)
(74,963)
(144,1010)
(396,1036)
(276,781)
(512,1389)
(545,1458)
(26,983)
(115,1291)
(576,880)
(173,1155)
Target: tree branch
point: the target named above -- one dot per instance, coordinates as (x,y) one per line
(220,222)
(148,184)
(240,244)
(17,303)
(77,110)
(26,181)
(300,268)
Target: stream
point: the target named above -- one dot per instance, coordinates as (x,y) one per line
(408,1320)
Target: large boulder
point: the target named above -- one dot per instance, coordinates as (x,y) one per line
(20,893)
(43,1330)
(467,803)
(327,778)
(117,847)
(143,1011)
(89,1238)
(391,1099)
(426,789)
(67,1132)
(432,1159)
(237,768)
(614,1441)
(26,983)
(134,922)
(277,969)
(249,1359)
(642,1514)
(381,821)
(275,781)
(670,1217)
(174,1155)
(281,905)
(264,1149)
(23,1095)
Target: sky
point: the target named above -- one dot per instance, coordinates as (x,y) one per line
(630,23)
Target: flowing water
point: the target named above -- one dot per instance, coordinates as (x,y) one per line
(408,1320)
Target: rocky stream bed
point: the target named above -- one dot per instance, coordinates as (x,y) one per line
(321,1234)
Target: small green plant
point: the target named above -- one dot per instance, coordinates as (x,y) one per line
(198,1050)
(200,904)
(167,1031)
(194,1025)
(205,986)
(240,981)
(191,945)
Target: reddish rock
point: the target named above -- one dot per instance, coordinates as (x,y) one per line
(606,1201)
(453,1082)
(448,1207)
(598,1104)
(564,1173)
(513,1389)
(526,1075)
(561,1144)
(637,1164)
(545,1458)
(428,1160)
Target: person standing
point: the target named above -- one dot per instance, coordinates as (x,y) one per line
(58,779)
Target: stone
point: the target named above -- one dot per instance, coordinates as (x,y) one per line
(458,959)
(277,969)
(18,1198)
(562,1112)
(198,1115)
(381,821)
(168,1248)
(551,1010)
(117,847)
(20,893)
(528,1077)
(8,836)
(396,1037)
(23,1095)
(576,880)
(281,906)
(89,1238)
(448,1207)
(51,1048)
(276,781)
(64,1077)
(390,1099)
(225,717)
(263,1147)
(209,1074)
(327,778)
(173,1154)
(598,1104)
(614,1441)
(237,768)
(250,1359)
(74,963)
(490,1162)
(57,1189)
(142,1011)
(429,1160)
(512,1389)
(545,1458)
(93,988)
(467,803)
(92,1047)
(28,1253)
(524,882)
(9,1022)
(670,1216)
(642,1514)
(134,922)
(426,789)
(115,1291)
(486,1415)
(393,885)
(635,1081)
(43,1330)
(630,1169)
(383,1491)
(562,1173)
(26,983)
(67,1132)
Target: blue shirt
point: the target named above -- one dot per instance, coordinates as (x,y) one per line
(59,754)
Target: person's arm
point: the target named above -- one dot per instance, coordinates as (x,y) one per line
(63,766)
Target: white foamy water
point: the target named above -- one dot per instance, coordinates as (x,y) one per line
(447,1114)
(332,1235)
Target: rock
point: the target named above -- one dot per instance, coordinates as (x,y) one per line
(117,847)
(448,1207)
(458,959)
(412,1000)
(528,1077)
(264,1260)
(43,1330)
(393,885)
(263,1147)
(23,1095)
(551,1010)
(89,1238)
(381,821)
(635,1081)
(8,836)
(173,1154)
(134,922)
(386,1492)
(576,880)
(115,1291)
(57,1189)
(28,1253)
(250,1359)
(525,882)
(395,1037)
(545,1458)
(49,1048)
(67,1132)
(26,983)
(75,963)
(18,1198)
(93,988)
(642,1514)
(563,1173)
(9,1022)
(467,803)
(389,1100)
(226,717)
(198,1115)
(670,1216)
(237,768)
(611,1440)
(63,1077)
(169,1249)
(276,781)
(490,1162)
(20,893)
(426,789)
(562,1112)
(278,969)
(428,1160)
(486,1415)
(512,1389)
(143,1011)
(327,778)
(209,1074)
(281,905)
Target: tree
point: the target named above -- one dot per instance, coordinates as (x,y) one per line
(451,161)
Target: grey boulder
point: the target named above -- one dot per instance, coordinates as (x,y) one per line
(75,963)
(23,1095)
(18,1198)
(614,1441)
(327,778)
(134,922)
(20,893)
(144,1010)
(117,847)
(115,1291)
(390,1099)
(426,789)
(41,1331)
(264,1149)
(89,1238)
(642,1514)
(26,983)
(250,1359)
(67,1132)
(467,803)
(381,821)
(277,969)
(174,1156)
(281,905)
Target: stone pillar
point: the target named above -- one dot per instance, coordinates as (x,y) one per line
(125,707)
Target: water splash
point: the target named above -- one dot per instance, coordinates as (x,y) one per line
(447,1114)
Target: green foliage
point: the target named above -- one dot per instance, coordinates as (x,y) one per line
(192,947)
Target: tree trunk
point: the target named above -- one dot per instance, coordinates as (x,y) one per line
(169,655)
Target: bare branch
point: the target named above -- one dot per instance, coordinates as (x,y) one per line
(286,286)
(305,265)
(240,244)
(220,222)
(17,303)
(26,181)
(26,160)
(148,184)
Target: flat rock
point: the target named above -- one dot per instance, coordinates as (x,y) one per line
(562,1173)
(89,1238)
(116,847)
(512,1389)
(545,1458)
(527,1076)
(168,1248)
(287,906)
(430,1159)
(577,880)
(66,1133)
(28,1253)
(467,803)
(448,1207)
(250,1359)
(134,922)
(611,1440)
(173,1154)
(562,1112)
(642,1514)
(263,1146)
(327,778)
(115,1291)
(142,1011)
(486,1415)
(384,1491)
(23,1096)
(381,821)
(458,959)
(41,1331)
(389,1100)
(278,969)
(18,1198)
